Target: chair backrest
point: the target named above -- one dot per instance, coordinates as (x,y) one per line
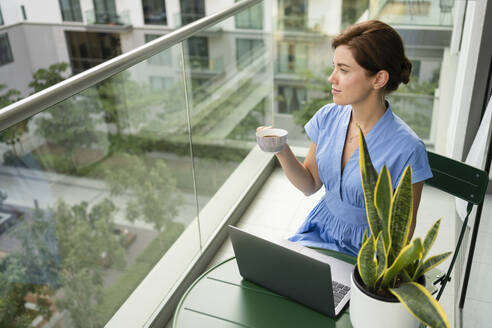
(463,181)
(457,178)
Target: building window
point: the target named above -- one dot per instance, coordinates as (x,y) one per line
(70,10)
(5,51)
(23,10)
(293,57)
(154,12)
(290,98)
(191,10)
(161,59)
(1,17)
(88,49)
(293,14)
(198,52)
(245,50)
(105,12)
(251,18)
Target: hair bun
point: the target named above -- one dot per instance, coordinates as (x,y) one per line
(406,70)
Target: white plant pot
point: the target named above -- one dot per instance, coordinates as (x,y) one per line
(367,312)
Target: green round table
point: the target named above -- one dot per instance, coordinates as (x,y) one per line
(221,298)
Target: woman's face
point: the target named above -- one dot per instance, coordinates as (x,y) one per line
(350,82)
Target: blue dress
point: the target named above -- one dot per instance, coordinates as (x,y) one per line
(338,221)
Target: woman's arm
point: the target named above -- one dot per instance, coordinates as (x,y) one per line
(417,192)
(304,176)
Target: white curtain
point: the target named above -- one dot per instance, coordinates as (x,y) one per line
(476,157)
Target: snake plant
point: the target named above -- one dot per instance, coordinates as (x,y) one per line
(388,261)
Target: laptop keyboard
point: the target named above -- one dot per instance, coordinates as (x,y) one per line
(339,291)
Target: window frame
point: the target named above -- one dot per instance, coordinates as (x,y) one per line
(165,22)
(75,13)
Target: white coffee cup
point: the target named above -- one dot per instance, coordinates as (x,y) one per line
(271,140)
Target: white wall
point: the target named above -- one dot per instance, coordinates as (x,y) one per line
(45,11)
(10,11)
(321,10)
(10,74)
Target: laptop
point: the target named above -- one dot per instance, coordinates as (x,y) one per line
(311,278)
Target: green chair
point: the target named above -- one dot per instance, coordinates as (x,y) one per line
(463,181)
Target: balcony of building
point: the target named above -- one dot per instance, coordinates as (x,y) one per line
(121,180)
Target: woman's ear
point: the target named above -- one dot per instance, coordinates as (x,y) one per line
(380,79)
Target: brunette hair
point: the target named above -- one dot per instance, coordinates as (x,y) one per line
(377,46)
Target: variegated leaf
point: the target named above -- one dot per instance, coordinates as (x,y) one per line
(431,263)
(367,265)
(382,201)
(420,303)
(364,237)
(431,237)
(381,255)
(401,212)
(407,255)
(369,178)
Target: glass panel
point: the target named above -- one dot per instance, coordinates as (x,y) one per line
(226,108)
(161,59)
(191,10)
(251,18)
(94,192)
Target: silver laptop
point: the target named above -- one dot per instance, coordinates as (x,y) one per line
(316,280)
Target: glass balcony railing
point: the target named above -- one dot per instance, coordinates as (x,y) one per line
(181,19)
(106,185)
(418,13)
(107,17)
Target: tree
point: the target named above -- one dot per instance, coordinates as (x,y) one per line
(12,135)
(124,102)
(44,78)
(86,241)
(69,124)
(67,247)
(153,189)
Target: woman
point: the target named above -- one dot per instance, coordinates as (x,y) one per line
(369,62)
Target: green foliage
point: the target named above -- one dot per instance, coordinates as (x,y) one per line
(124,102)
(12,135)
(115,295)
(61,248)
(154,196)
(394,264)
(69,124)
(44,78)
(10,96)
(86,241)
